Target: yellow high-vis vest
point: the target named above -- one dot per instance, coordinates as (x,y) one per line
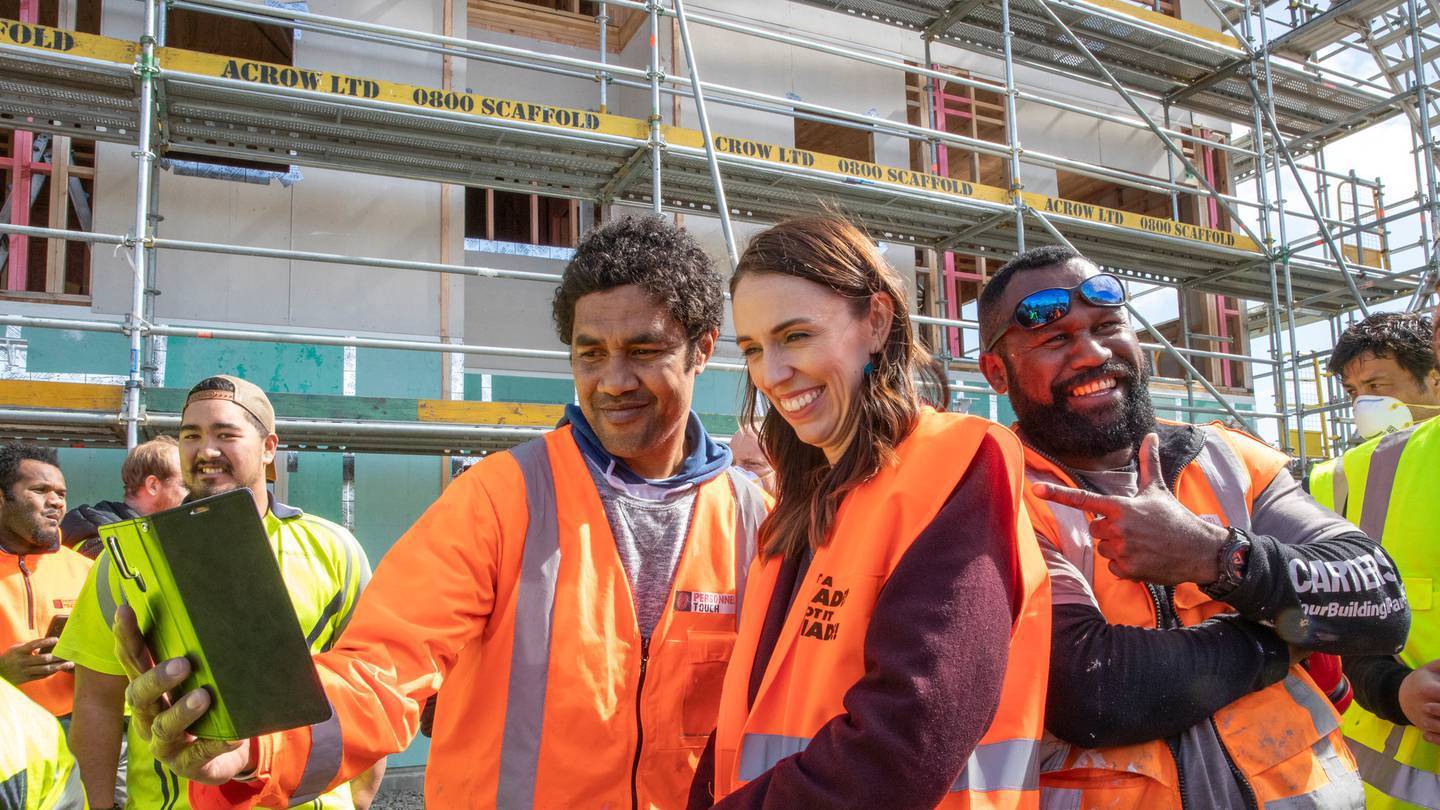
(36,769)
(1391,487)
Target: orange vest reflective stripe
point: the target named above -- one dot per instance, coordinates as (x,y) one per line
(1284,740)
(816,660)
(561,701)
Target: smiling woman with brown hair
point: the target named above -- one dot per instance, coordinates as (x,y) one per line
(898,576)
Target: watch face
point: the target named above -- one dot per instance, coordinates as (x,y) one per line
(1235,560)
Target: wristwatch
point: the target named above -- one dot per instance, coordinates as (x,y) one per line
(1234,554)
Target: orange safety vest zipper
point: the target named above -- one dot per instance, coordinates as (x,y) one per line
(639,723)
(29,593)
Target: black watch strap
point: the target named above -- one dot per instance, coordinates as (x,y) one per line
(1231,563)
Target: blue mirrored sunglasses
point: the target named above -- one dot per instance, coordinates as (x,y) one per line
(1044,307)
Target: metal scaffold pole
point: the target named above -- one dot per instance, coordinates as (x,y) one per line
(1012,128)
(932,148)
(1265,111)
(1170,171)
(602,19)
(1262,189)
(1429,201)
(141,238)
(703,115)
(152,363)
(934,257)
(657,136)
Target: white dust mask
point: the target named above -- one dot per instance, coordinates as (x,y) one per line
(1375,415)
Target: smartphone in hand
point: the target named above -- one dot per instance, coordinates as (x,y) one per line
(57,625)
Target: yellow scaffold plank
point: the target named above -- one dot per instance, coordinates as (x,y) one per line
(339,84)
(512,414)
(569,120)
(1166,21)
(60,395)
(59,40)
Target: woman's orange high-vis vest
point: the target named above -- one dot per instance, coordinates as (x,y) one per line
(1284,740)
(816,661)
(556,701)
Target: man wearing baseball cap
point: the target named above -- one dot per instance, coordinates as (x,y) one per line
(227,439)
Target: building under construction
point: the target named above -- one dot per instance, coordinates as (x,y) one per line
(364,209)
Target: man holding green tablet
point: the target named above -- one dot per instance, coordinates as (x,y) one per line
(573,600)
(227,438)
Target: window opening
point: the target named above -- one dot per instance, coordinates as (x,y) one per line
(49,182)
(958,109)
(835,139)
(239,39)
(568,22)
(227,36)
(1217,324)
(498,215)
(1213,163)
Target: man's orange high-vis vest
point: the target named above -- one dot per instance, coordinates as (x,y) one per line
(1284,740)
(816,662)
(553,700)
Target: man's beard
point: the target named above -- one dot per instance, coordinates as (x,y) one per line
(199,491)
(35,529)
(1062,432)
(199,488)
(45,537)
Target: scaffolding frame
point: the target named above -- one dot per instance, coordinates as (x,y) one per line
(1268,154)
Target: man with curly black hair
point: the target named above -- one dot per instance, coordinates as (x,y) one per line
(39,578)
(661,260)
(1388,355)
(573,600)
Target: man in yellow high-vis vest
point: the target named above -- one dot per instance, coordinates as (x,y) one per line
(1384,363)
(1389,487)
(36,769)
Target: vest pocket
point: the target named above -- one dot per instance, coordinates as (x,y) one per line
(707,653)
(1420,591)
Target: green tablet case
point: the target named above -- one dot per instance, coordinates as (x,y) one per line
(205,585)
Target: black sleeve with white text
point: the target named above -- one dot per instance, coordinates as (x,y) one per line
(1317,580)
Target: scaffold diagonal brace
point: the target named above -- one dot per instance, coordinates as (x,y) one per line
(974,230)
(1174,149)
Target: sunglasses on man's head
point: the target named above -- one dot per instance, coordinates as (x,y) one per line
(1044,307)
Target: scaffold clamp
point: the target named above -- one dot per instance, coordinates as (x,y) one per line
(145,64)
(129,241)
